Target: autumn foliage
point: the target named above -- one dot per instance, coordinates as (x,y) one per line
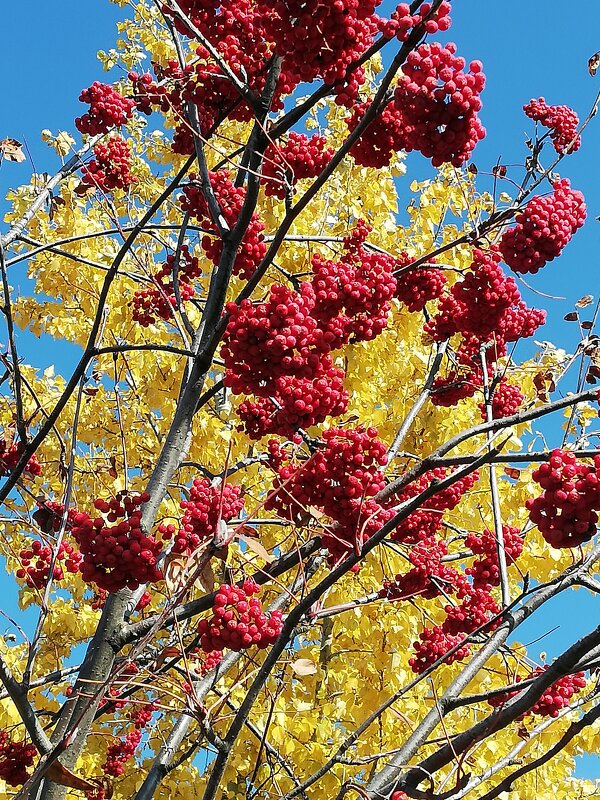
(280,525)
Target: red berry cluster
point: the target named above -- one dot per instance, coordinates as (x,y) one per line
(554,698)
(544,228)
(340,478)
(435,643)
(426,521)
(296,403)
(402,21)
(15,759)
(353,295)
(122,750)
(434,111)
(238,621)
(484,571)
(235,28)
(159,299)
(566,511)
(36,559)
(270,340)
(9,458)
(300,157)
(486,309)
(116,552)
(230,199)
(478,303)
(507,399)
(48,516)
(428,577)
(477,608)
(108,109)
(562,121)
(416,287)
(111,169)
(210,661)
(207,505)
(320,40)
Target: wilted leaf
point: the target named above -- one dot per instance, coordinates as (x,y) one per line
(304,666)
(113,467)
(257,548)
(584,301)
(61,775)
(512,472)
(587,325)
(84,190)
(205,579)
(499,171)
(572,316)
(12,150)
(166,654)
(472,169)
(174,572)
(593,64)
(55,203)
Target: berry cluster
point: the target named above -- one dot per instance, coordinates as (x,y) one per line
(562,122)
(353,295)
(9,458)
(434,644)
(159,300)
(486,309)
(544,228)
(116,552)
(476,609)
(230,199)
(554,698)
(48,516)
(416,287)
(320,40)
(15,759)
(238,621)
(434,111)
(122,750)
(108,109)
(296,403)
(208,504)
(566,511)
(484,571)
(426,521)
(340,478)
(506,400)
(401,21)
(36,559)
(111,168)
(428,577)
(300,157)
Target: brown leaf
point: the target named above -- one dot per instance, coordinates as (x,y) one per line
(304,666)
(472,169)
(12,150)
(55,203)
(572,316)
(584,301)
(593,64)
(590,377)
(57,773)
(543,382)
(113,467)
(512,472)
(257,548)
(587,325)
(174,571)
(499,171)
(91,391)
(523,733)
(84,190)
(167,654)
(205,579)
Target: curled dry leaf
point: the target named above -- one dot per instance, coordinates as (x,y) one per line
(12,150)
(593,64)
(304,666)
(584,301)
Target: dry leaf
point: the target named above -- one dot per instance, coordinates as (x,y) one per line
(205,579)
(584,301)
(512,472)
(304,666)
(257,548)
(61,775)
(12,150)
(593,64)
(499,171)
(167,654)
(587,325)
(174,572)
(572,316)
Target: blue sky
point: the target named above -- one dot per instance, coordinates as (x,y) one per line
(529,49)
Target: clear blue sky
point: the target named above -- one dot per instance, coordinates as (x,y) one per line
(529,49)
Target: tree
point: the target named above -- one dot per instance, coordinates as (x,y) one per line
(282,522)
